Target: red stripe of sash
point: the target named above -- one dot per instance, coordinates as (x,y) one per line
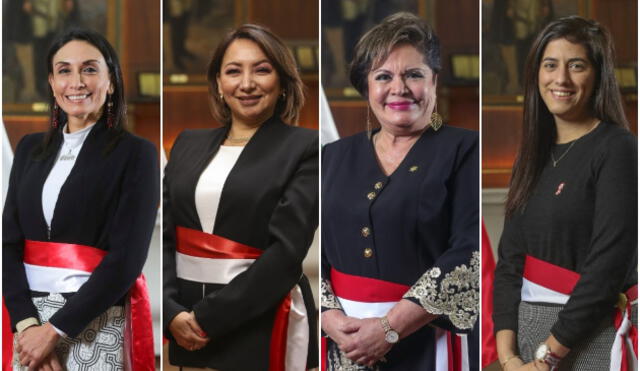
(62,255)
(549,275)
(363,289)
(206,245)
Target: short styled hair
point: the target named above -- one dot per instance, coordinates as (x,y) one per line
(375,46)
(288,108)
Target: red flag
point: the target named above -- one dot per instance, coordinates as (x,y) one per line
(489,351)
(7,340)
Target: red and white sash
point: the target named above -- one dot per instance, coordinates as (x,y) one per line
(363,297)
(62,267)
(208,258)
(544,282)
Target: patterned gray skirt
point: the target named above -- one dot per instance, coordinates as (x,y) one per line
(100,346)
(593,353)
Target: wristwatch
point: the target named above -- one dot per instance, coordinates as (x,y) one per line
(390,335)
(544,354)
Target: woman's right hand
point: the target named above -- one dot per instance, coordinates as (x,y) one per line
(187,332)
(338,326)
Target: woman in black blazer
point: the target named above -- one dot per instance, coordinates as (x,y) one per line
(240,211)
(78,219)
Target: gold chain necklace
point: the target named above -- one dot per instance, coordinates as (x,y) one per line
(553,158)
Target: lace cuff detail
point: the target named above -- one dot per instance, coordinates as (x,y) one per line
(327,298)
(455,295)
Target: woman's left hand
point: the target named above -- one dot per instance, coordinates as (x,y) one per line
(36,343)
(368,344)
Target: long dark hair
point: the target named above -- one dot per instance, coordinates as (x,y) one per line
(119,108)
(539,131)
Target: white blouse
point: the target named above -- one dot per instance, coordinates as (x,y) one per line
(211,183)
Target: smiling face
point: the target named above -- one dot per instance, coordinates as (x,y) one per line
(248,82)
(565,80)
(80,80)
(402,91)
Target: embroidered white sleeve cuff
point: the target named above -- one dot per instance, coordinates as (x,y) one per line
(327,299)
(455,295)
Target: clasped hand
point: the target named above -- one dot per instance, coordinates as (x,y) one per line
(35,348)
(362,340)
(187,332)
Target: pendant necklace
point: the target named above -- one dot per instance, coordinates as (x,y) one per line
(553,158)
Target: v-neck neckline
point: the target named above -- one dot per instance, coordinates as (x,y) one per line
(214,147)
(402,164)
(74,170)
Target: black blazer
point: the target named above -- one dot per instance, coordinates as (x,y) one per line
(269,201)
(108,201)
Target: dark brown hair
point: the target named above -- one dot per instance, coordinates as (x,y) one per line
(375,45)
(287,108)
(119,109)
(539,131)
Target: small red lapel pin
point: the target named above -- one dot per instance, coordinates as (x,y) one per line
(560,187)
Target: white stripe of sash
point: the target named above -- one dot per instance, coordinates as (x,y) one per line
(55,280)
(219,271)
(533,293)
(360,309)
(297,333)
(464,350)
(442,350)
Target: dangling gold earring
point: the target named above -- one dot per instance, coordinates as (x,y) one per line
(436,119)
(368,123)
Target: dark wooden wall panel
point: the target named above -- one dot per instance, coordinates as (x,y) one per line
(184,107)
(144,121)
(289,19)
(141,41)
(19,126)
(457,24)
(621,18)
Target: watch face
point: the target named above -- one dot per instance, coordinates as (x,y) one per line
(541,352)
(391,337)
